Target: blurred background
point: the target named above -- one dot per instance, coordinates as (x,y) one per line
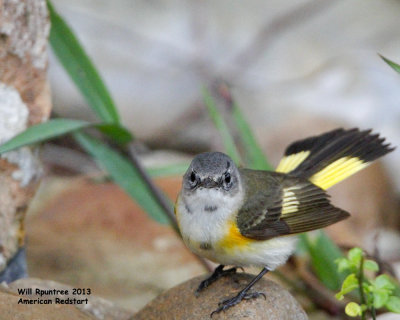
(295,68)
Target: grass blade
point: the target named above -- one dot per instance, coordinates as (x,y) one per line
(116,132)
(58,127)
(168,170)
(124,174)
(221,126)
(324,252)
(42,132)
(392,64)
(255,158)
(80,68)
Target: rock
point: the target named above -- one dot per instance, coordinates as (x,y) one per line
(97,307)
(92,234)
(10,309)
(388,316)
(16,267)
(24,101)
(180,302)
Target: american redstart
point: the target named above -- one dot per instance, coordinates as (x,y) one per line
(243,217)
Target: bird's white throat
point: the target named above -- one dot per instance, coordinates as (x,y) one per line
(203,214)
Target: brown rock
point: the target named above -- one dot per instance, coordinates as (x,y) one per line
(180,302)
(91,234)
(25,100)
(97,307)
(10,309)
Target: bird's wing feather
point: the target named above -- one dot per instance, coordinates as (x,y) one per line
(277,204)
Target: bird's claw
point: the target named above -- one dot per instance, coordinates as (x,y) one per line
(228,303)
(214,277)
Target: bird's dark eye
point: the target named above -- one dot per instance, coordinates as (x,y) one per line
(192,177)
(227,178)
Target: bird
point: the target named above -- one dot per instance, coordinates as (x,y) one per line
(242,217)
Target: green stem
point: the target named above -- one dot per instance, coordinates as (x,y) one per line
(360,277)
(373,312)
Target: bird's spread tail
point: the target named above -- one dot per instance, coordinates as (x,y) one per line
(333,156)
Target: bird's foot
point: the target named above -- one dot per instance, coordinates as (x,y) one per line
(218,273)
(226,304)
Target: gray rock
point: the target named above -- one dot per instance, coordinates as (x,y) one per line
(16,268)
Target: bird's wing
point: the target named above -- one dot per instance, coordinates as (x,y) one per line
(277,204)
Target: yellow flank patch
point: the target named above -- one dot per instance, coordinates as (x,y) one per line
(233,239)
(337,171)
(290,203)
(292,161)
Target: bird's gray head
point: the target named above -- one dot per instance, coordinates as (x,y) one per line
(212,170)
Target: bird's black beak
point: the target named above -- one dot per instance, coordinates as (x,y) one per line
(209,183)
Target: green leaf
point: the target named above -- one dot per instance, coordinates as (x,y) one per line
(80,68)
(255,158)
(43,131)
(355,255)
(371,265)
(381,297)
(343,264)
(123,173)
(324,253)
(169,170)
(116,132)
(396,290)
(221,126)
(350,283)
(383,282)
(353,309)
(393,304)
(58,127)
(392,64)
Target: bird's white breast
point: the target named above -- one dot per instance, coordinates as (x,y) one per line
(202,231)
(200,225)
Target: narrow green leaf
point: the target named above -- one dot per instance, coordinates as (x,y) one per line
(353,309)
(123,173)
(393,304)
(57,127)
(43,131)
(255,158)
(169,170)
(80,68)
(221,126)
(116,132)
(392,64)
(324,253)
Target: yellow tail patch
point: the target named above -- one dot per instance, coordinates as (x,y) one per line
(337,171)
(291,162)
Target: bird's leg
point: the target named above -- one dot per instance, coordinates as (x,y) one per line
(218,273)
(242,295)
